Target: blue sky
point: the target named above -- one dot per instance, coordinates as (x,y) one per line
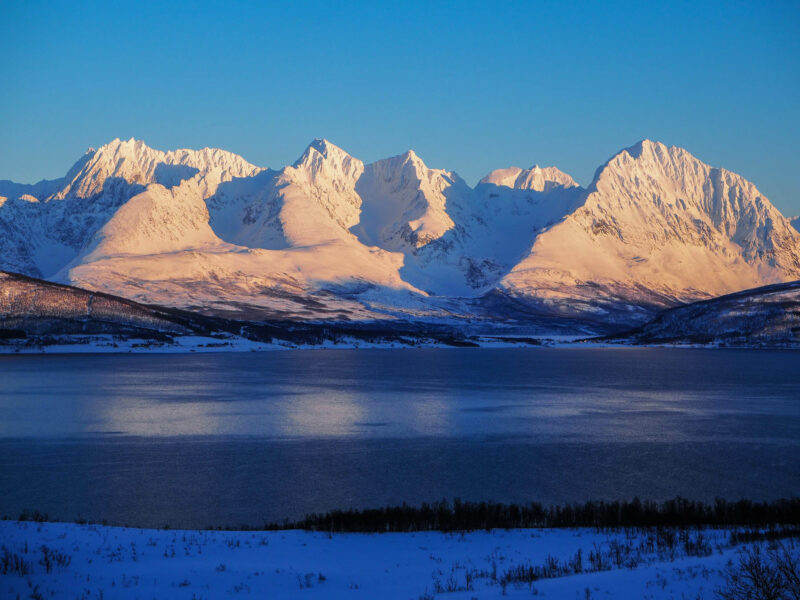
(469,86)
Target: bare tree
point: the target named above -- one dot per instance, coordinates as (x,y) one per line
(787,560)
(759,575)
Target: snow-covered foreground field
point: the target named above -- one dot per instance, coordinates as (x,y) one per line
(89,561)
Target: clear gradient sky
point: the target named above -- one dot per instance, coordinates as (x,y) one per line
(470,86)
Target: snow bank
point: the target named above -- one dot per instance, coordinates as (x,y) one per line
(91,561)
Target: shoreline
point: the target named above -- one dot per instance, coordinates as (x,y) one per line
(198,345)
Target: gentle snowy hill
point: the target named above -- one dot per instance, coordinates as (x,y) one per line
(330,238)
(768,316)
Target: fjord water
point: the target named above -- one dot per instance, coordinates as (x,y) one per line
(195,440)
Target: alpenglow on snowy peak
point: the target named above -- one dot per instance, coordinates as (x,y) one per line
(332,238)
(536,178)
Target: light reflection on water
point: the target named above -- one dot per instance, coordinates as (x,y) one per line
(565,394)
(599,394)
(227,438)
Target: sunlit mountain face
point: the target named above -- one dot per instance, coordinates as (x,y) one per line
(331,238)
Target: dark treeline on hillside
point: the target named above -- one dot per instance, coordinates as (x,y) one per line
(36,312)
(466,516)
(379,332)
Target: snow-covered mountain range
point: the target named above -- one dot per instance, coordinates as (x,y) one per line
(332,238)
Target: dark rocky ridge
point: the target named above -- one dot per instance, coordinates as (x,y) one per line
(764,316)
(38,310)
(38,307)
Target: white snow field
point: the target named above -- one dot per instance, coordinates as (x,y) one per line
(61,560)
(333,238)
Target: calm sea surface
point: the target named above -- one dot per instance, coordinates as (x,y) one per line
(226,439)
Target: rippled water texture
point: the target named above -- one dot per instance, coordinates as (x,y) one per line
(226,439)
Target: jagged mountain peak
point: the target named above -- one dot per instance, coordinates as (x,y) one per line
(320,147)
(645,145)
(651,150)
(412,158)
(647,153)
(125,150)
(405,203)
(669,183)
(116,143)
(323,160)
(656,226)
(403,169)
(538,179)
(660,225)
(134,162)
(139,151)
(204,159)
(651,172)
(407,158)
(124,160)
(119,150)
(408,168)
